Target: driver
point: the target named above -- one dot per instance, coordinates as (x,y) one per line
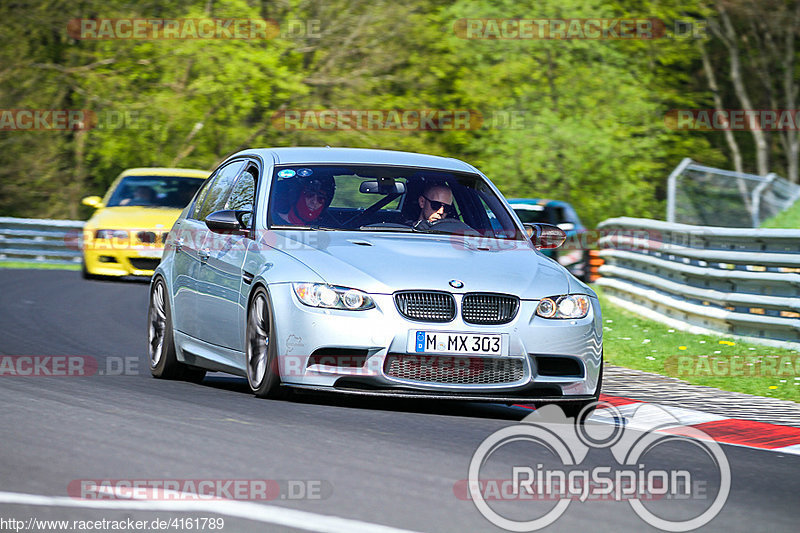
(436,203)
(314,196)
(142,196)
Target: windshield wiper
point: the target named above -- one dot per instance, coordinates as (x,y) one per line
(287,226)
(304,228)
(397,229)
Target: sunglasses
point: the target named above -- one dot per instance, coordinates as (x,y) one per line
(448,208)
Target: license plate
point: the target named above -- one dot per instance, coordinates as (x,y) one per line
(457,343)
(151,254)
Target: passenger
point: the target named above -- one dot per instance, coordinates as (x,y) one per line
(314,195)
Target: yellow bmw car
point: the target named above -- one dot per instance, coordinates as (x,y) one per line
(126,235)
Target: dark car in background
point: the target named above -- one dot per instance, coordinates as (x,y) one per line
(572,255)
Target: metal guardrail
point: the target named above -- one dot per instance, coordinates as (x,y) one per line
(740,282)
(40,240)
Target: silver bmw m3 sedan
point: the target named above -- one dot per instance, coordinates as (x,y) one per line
(370,272)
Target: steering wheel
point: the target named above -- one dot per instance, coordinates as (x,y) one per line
(350,222)
(453,225)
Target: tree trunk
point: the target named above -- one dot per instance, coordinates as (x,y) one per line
(78,175)
(792,138)
(729,40)
(729,137)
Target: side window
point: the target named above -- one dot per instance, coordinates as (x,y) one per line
(218,192)
(201,197)
(242,195)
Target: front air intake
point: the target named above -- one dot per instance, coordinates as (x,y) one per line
(488,308)
(426,306)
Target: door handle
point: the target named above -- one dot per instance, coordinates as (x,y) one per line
(204,254)
(179,244)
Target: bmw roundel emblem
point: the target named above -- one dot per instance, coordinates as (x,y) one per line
(456,283)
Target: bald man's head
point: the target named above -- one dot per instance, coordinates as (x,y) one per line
(436,203)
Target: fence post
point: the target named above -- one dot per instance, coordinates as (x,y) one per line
(672,186)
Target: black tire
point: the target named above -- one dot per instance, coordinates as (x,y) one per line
(164,362)
(261,351)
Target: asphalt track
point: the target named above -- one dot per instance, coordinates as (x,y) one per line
(379,463)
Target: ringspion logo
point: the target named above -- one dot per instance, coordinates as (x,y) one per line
(550,450)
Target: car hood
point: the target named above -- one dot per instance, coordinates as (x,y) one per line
(134,217)
(384,263)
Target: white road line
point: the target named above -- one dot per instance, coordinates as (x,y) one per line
(794,449)
(268,514)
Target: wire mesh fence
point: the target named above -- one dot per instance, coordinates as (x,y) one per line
(707,196)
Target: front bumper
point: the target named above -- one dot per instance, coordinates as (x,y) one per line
(351,351)
(454,396)
(133,261)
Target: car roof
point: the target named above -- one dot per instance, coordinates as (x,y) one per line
(300,155)
(164,171)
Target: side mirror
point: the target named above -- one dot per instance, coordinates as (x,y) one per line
(93,201)
(545,235)
(229,222)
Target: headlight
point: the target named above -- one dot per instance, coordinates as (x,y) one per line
(568,306)
(330,297)
(111,234)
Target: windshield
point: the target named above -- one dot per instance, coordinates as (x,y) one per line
(384,198)
(531,213)
(155,191)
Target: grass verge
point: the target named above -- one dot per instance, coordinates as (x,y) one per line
(41,266)
(789,219)
(716,361)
